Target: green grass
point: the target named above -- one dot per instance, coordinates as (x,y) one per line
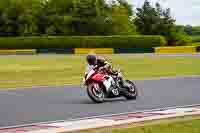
(180,127)
(38,70)
(188,126)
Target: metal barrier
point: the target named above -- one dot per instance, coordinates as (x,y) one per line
(94,50)
(178,49)
(18,51)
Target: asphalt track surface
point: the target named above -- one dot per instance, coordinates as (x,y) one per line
(26,106)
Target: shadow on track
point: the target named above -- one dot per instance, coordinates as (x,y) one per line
(88,101)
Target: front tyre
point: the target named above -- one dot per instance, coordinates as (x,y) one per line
(131,92)
(96,93)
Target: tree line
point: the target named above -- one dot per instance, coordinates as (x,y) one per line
(192,30)
(87,17)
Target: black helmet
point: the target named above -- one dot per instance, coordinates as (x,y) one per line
(91,59)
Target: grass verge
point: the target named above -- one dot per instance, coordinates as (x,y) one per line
(56,70)
(188,124)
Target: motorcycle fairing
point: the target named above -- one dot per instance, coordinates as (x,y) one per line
(89,74)
(98,77)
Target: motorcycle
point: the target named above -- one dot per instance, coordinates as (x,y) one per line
(94,82)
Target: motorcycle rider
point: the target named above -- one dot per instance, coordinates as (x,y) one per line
(100,63)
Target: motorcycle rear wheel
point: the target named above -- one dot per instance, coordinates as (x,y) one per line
(97,96)
(130,93)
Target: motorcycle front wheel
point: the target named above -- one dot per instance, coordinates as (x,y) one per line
(131,92)
(96,93)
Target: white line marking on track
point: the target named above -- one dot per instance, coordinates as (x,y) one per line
(96,117)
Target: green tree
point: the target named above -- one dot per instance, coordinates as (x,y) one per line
(3,19)
(19,17)
(121,18)
(9,13)
(96,17)
(178,37)
(56,17)
(188,29)
(31,9)
(127,6)
(152,20)
(89,16)
(65,17)
(147,19)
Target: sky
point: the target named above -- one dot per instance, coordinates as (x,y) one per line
(184,11)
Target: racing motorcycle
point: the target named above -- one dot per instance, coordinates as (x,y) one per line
(94,83)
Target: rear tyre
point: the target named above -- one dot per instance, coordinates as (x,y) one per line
(97,95)
(130,93)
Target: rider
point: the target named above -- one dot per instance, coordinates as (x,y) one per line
(101,64)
